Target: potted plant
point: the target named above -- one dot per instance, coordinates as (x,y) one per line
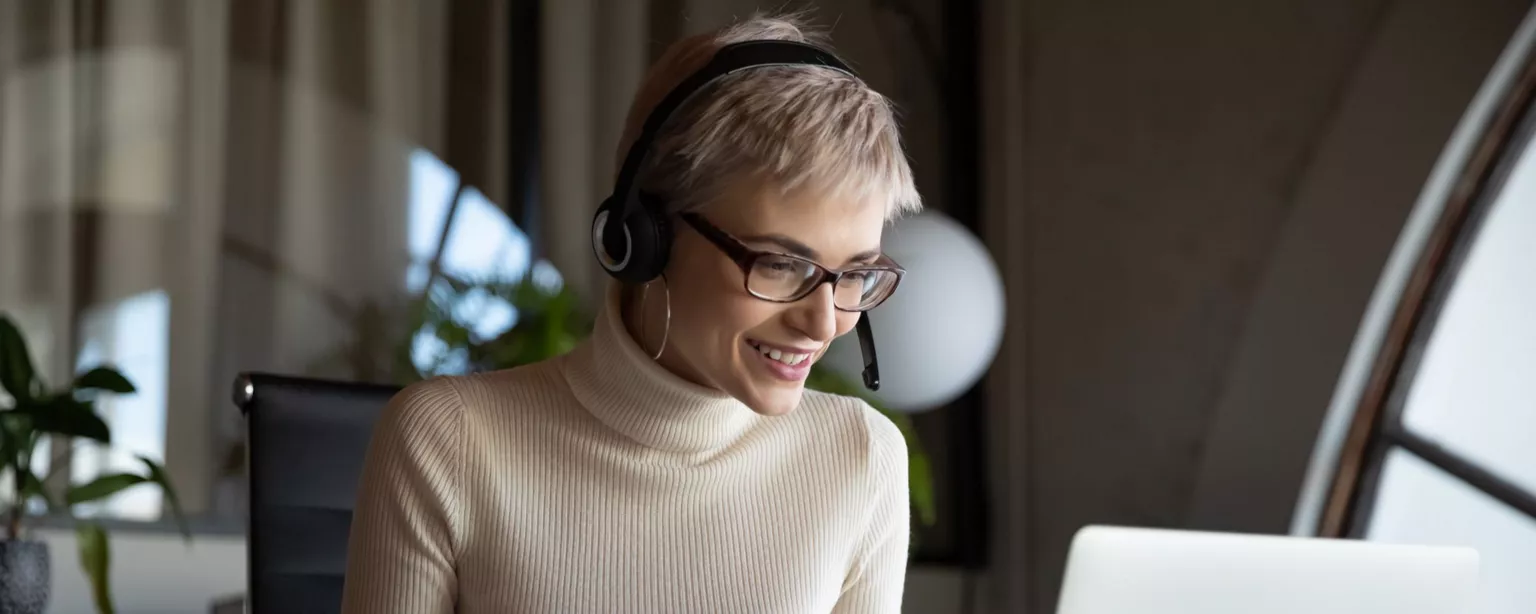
(30,411)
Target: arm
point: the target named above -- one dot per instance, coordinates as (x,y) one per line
(878,578)
(403,543)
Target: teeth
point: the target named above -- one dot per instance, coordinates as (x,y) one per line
(782,356)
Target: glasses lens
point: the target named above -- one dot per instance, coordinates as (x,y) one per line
(863,289)
(780,278)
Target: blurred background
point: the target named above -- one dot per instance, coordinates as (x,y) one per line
(1269,266)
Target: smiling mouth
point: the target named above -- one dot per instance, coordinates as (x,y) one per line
(793,359)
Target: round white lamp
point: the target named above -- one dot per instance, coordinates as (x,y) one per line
(940,331)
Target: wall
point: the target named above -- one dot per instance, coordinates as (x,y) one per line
(1336,234)
(152,573)
(1192,201)
(1443,183)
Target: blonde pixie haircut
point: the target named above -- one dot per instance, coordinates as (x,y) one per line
(790,128)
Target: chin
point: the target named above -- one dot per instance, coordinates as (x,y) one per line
(766,387)
(774,402)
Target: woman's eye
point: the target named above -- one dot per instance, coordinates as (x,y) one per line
(777,268)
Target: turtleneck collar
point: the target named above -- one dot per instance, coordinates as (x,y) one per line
(630,393)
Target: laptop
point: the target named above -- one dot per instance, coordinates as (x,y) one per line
(1116,570)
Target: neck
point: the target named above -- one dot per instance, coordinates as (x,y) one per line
(618,382)
(645,311)
(637,320)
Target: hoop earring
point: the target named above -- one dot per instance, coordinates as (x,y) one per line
(666,331)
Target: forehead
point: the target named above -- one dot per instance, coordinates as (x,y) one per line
(837,227)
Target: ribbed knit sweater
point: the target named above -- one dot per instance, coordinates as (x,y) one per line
(600,482)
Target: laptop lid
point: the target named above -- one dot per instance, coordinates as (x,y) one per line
(1115,570)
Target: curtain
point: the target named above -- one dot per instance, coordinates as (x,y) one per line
(195,188)
(593,56)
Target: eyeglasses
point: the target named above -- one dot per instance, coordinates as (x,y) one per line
(786,278)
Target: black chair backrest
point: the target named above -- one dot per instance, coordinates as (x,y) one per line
(306,440)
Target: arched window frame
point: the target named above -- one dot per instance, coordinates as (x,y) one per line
(1365,420)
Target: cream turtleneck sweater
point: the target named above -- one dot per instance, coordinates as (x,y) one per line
(600,482)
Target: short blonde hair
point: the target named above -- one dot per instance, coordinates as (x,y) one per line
(791,127)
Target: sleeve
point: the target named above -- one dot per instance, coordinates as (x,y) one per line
(402,548)
(878,578)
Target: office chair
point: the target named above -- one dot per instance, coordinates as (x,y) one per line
(305,443)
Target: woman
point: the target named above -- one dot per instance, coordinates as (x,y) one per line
(674,462)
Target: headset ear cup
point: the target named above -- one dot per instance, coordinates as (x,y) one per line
(651,242)
(639,252)
(612,251)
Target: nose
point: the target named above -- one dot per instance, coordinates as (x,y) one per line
(815,315)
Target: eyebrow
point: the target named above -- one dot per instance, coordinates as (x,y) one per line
(804,251)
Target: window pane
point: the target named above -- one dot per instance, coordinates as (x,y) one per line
(432,184)
(1420,504)
(484,243)
(132,336)
(1475,388)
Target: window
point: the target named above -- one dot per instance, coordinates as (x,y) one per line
(432,186)
(1418,503)
(132,335)
(1442,449)
(480,243)
(1473,391)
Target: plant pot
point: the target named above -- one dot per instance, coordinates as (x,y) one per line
(24,577)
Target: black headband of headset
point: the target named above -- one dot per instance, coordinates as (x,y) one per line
(728,59)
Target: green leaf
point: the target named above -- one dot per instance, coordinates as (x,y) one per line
(16,371)
(453,334)
(31,486)
(920,481)
(157,475)
(919,472)
(96,559)
(13,436)
(104,378)
(65,415)
(102,487)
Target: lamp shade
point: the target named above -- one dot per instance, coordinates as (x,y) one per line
(938,334)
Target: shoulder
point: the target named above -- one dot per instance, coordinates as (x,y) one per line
(479,393)
(422,417)
(875,451)
(861,428)
(423,403)
(451,397)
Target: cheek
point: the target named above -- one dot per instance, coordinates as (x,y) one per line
(846,321)
(734,313)
(709,297)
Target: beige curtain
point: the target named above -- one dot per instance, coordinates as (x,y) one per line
(593,55)
(247,163)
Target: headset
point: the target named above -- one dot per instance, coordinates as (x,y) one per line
(631,232)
